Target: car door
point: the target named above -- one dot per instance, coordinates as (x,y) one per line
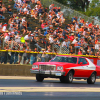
(82,69)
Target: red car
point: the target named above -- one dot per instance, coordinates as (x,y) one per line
(66,68)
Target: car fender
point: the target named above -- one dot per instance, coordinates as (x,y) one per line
(93,72)
(68,70)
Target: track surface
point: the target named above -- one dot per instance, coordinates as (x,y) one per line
(27,88)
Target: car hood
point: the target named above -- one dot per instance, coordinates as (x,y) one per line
(55,63)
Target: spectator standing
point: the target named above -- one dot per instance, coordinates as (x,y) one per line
(47,56)
(12,55)
(4,55)
(24,55)
(43,55)
(34,57)
(28,54)
(21,54)
(16,54)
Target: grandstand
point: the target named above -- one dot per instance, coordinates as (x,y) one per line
(46,28)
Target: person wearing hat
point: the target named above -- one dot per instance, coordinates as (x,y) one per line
(4,27)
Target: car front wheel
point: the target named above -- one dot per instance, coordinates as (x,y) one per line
(39,78)
(62,79)
(91,79)
(69,77)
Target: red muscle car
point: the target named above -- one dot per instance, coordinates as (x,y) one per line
(66,68)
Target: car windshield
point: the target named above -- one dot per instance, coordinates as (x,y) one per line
(64,59)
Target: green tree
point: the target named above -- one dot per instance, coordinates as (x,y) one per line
(94,9)
(79,5)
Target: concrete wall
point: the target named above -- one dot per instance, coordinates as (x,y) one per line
(15,70)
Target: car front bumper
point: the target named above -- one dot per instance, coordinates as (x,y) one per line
(56,73)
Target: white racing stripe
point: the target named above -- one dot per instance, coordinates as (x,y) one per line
(82,68)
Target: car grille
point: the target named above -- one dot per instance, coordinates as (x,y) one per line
(47,67)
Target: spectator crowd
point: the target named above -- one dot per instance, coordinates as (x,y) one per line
(77,37)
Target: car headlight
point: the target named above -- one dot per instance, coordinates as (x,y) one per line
(35,66)
(59,68)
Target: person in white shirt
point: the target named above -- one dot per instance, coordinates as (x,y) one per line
(51,40)
(17,38)
(75,40)
(23,20)
(28,37)
(76,27)
(26,10)
(7,38)
(87,23)
(19,1)
(51,7)
(64,43)
(58,15)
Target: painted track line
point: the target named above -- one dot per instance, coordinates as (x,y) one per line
(34,78)
(49,89)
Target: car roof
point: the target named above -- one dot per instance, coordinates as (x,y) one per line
(71,56)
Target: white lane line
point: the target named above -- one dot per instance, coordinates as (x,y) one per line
(25,77)
(49,89)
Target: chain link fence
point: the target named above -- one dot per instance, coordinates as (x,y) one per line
(68,12)
(60,49)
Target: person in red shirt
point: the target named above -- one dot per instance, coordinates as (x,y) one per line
(79,52)
(90,25)
(72,37)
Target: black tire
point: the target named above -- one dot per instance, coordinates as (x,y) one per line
(91,79)
(62,80)
(39,78)
(69,77)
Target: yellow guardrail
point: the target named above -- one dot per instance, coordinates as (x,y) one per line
(51,53)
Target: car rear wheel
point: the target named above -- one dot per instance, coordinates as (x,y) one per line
(39,78)
(69,77)
(91,79)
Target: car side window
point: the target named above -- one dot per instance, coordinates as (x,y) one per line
(82,60)
(98,62)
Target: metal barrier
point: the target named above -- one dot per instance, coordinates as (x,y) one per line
(9,56)
(60,49)
(68,12)
(14,57)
